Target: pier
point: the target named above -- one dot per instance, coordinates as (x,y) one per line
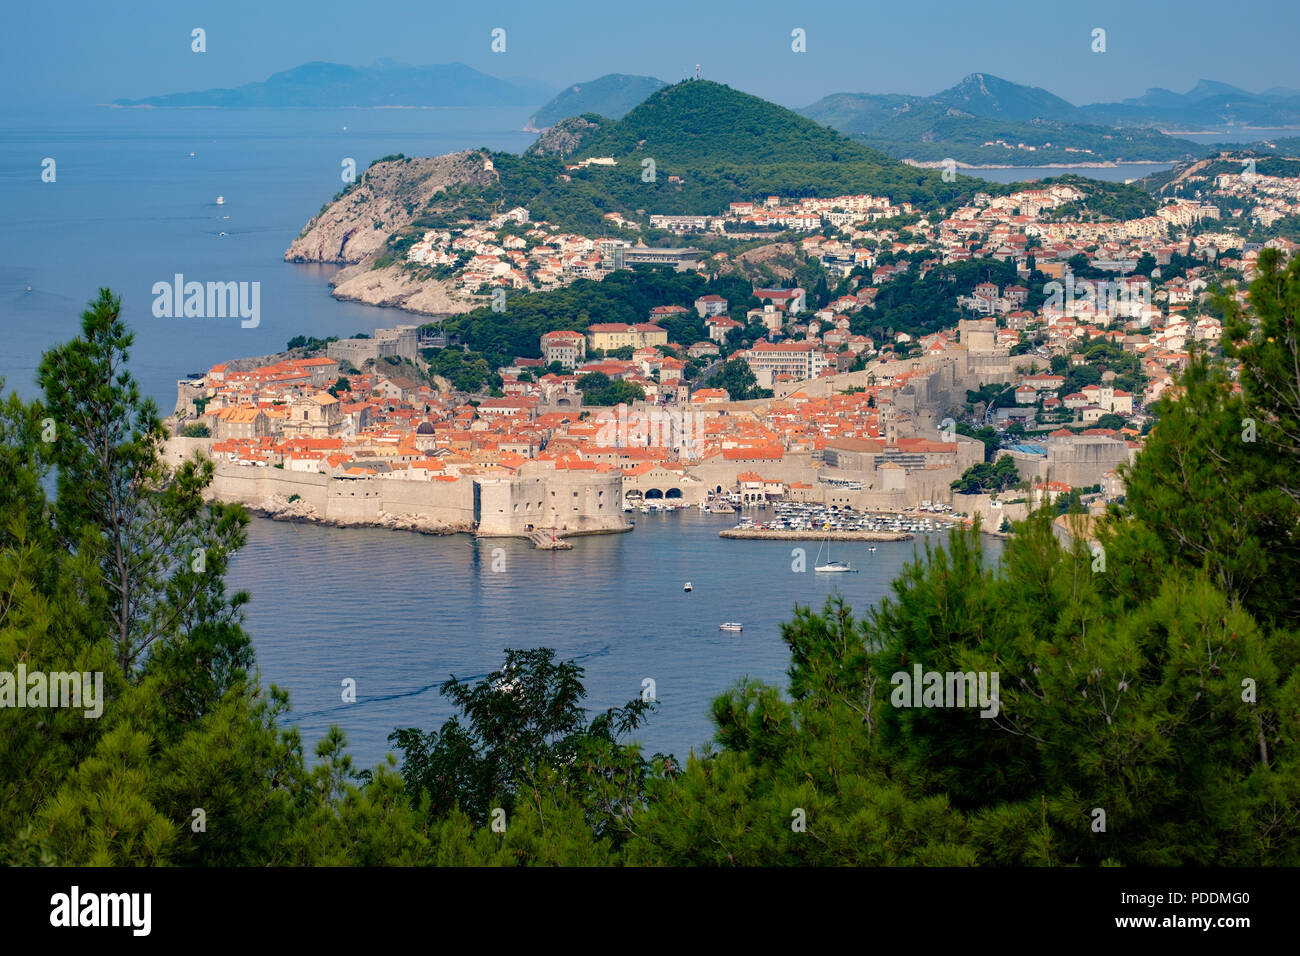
(813,534)
(548,541)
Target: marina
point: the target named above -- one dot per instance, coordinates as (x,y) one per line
(797,521)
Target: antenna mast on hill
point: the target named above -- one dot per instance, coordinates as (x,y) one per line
(697,71)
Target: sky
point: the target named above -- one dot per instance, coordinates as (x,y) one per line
(57,54)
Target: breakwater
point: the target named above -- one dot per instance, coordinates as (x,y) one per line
(813,534)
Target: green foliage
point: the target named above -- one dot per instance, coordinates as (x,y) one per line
(196,430)
(624,296)
(1107,700)
(466,371)
(106,579)
(599,390)
(1213,445)
(1000,396)
(986,434)
(1104,200)
(1265,342)
(310,343)
(983,477)
(113,486)
(739,381)
(919,306)
(525,734)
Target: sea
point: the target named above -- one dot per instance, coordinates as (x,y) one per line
(1125,172)
(132,201)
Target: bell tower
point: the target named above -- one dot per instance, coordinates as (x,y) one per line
(890,425)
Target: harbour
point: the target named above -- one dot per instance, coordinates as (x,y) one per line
(811,521)
(452,604)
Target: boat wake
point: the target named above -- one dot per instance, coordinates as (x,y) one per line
(416,692)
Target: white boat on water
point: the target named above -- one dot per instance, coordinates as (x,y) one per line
(221,200)
(831,567)
(835,566)
(730,626)
(687,586)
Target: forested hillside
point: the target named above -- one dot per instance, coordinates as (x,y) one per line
(694,147)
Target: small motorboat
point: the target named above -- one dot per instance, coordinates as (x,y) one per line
(730,626)
(687,586)
(221,200)
(872,548)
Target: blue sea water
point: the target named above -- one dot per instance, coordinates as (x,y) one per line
(130,207)
(399,613)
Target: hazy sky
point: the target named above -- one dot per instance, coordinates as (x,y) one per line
(79,53)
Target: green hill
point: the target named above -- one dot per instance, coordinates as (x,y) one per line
(611,96)
(694,147)
(699,121)
(727,145)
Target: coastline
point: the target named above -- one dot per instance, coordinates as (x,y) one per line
(277,508)
(938,164)
(544,539)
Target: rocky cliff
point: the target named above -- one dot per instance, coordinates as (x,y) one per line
(565,138)
(385,198)
(392,287)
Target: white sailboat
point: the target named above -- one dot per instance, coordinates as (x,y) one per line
(831,566)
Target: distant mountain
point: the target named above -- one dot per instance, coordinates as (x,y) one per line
(611,96)
(985,120)
(384,84)
(1203,90)
(1207,105)
(982,94)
